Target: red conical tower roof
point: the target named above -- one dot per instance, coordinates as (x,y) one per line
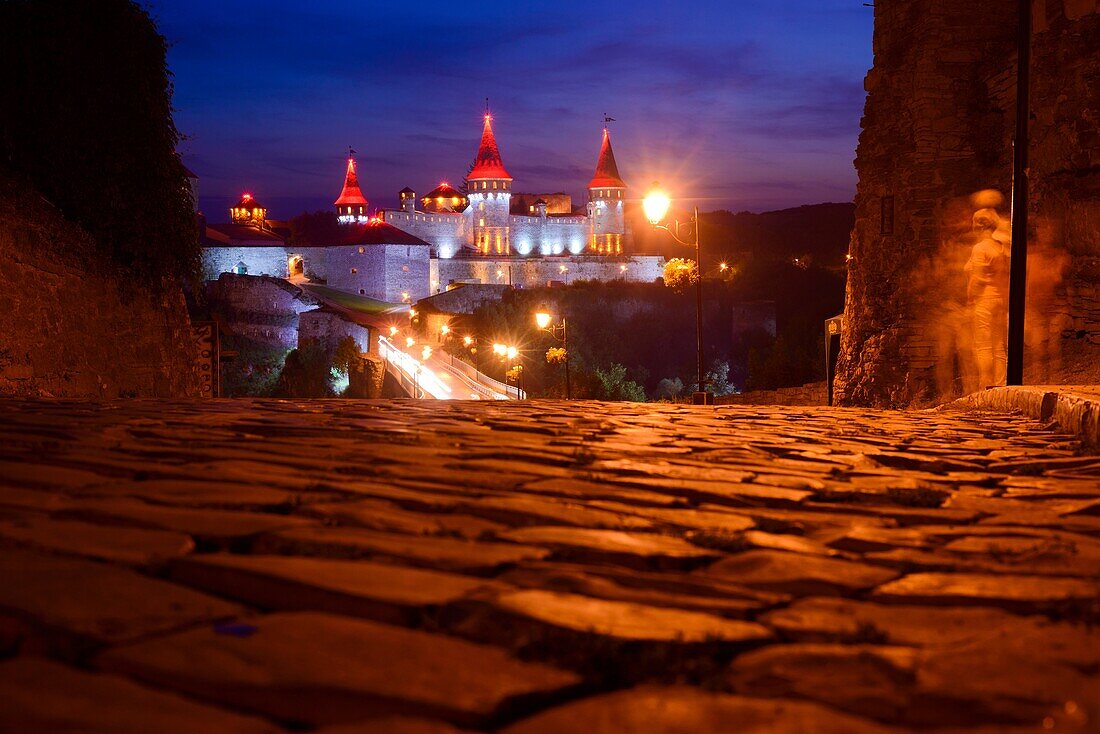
(351,195)
(488,163)
(607,172)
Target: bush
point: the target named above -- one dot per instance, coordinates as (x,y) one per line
(613,385)
(681,274)
(86,118)
(307,373)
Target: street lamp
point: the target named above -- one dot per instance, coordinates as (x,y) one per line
(656,205)
(544,320)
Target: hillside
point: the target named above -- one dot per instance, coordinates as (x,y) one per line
(819,231)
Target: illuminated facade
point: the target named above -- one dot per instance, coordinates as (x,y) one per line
(487,222)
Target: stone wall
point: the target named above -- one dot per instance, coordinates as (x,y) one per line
(263,309)
(539,272)
(937,145)
(814,393)
(448,232)
(328,329)
(71,332)
(272,261)
(394,273)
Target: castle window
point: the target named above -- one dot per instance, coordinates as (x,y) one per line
(362,292)
(494,184)
(354,271)
(362,250)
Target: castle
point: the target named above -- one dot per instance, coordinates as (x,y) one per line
(487,223)
(489,234)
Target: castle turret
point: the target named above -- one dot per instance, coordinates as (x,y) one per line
(606,192)
(408,199)
(352,205)
(490,194)
(248,211)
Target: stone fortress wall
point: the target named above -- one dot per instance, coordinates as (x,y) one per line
(261,308)
(539,272)
(937,129)
(396,273)
(72,332)
(448,231)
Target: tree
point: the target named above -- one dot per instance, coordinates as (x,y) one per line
(86,118)
(315,229)
(613,385)
(681,274)
(718,379)
(670,388)
(307,373)
(346,356)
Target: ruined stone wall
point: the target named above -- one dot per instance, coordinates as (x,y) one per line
(263,308)
(328,329)
(937,129)
(71,331)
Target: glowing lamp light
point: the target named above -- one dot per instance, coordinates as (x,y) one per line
(467,340)
(425,353)
(543,319)
(563,270)
(500,349)
(511,352)
(412,313)
(656,204)
(622,268)
(445,329)
(409,342)
(723,267)
(393,331)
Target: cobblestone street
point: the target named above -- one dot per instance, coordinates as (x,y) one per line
(537,567)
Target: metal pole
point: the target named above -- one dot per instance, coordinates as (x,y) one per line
(699,301)
(565,341)
(1017,286)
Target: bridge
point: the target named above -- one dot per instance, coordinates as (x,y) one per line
(441,377)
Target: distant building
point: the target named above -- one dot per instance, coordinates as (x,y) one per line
(492,221)
(485,235)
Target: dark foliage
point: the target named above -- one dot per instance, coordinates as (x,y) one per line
(650,332)
(307,373)
(315,229)
(85,116)
(255,371)
(818,232)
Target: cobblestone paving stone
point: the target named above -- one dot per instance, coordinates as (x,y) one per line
(413,567)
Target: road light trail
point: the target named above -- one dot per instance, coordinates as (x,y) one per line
(434,378)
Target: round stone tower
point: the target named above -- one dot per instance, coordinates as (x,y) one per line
(490,193)
(606,192)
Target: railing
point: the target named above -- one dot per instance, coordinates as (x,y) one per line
(467,369)
(420,381)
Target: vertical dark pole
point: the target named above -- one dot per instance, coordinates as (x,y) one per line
(1017,287)
(699,301)
(565,342)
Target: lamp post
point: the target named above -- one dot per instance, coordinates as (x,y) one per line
(544,320)
(656,205)
(1017,279)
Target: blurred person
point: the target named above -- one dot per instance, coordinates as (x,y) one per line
(1044,322)
(987,297)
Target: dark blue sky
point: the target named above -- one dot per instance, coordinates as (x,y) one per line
(739,104)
